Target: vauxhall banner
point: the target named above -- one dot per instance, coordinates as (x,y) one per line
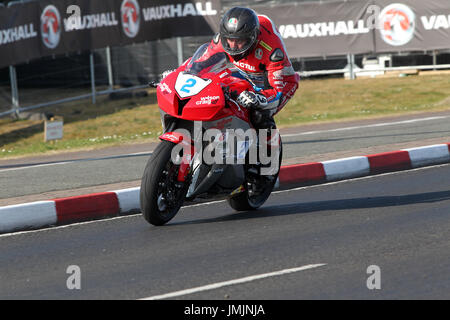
(19,34)
(91,25)
(48,27)
(310,29)
(322,29)
(413,25)
(358,27)
(163,19)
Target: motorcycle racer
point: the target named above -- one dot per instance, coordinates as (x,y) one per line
(254,45)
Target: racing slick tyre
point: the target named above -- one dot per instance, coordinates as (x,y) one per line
(248,199)
(161,194)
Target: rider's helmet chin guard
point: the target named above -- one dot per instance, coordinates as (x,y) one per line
(239,24)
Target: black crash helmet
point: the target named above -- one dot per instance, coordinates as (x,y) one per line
(239,25)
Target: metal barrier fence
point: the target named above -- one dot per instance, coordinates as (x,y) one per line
(112,70)
(87,75)
(61,79)
(78,76)
(352,66)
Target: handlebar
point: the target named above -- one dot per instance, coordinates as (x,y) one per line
(153,84)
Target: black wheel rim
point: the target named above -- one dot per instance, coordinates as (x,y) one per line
(170,192)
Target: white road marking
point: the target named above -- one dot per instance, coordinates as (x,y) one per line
(383,124)
(36,166)
(74,161)
(232,282)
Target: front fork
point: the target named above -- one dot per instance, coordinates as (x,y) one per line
(185,144)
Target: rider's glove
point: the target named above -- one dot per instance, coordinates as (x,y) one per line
(257,101)
(249,99)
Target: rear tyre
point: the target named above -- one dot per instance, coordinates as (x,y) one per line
(161,195)
(244,202)
(248,200)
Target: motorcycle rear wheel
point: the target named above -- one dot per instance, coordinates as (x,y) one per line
(243,201)
(161,195)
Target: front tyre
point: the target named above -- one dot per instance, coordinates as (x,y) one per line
(161,194)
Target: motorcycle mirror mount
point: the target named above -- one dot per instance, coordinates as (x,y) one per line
(153,84)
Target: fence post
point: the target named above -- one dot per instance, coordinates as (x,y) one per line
(109,65)
(351,64)
(91,58)
(180,51)
(14,90)
(434,59)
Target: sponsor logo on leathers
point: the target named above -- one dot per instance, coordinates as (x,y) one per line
(244,65)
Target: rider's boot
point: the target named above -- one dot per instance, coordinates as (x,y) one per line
(265,170)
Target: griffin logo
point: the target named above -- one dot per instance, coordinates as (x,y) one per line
(50,27)
(397,24)
(129,13)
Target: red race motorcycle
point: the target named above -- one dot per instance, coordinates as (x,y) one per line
(209,146)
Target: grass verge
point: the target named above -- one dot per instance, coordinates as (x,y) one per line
(136,119)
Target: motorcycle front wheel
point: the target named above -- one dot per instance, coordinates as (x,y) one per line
(161,194)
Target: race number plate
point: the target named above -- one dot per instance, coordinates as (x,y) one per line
(188,85)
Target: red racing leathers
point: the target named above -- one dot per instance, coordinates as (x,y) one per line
(267,65)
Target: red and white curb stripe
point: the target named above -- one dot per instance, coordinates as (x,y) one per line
(352,167)
(68,210)
(99,205)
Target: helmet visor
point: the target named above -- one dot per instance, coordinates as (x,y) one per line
(235,46)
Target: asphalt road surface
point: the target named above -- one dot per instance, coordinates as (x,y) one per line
(334,234)
(309,143)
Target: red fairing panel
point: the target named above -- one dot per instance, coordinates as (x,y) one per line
(206,106)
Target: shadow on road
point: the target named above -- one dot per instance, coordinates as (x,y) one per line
(330,205)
